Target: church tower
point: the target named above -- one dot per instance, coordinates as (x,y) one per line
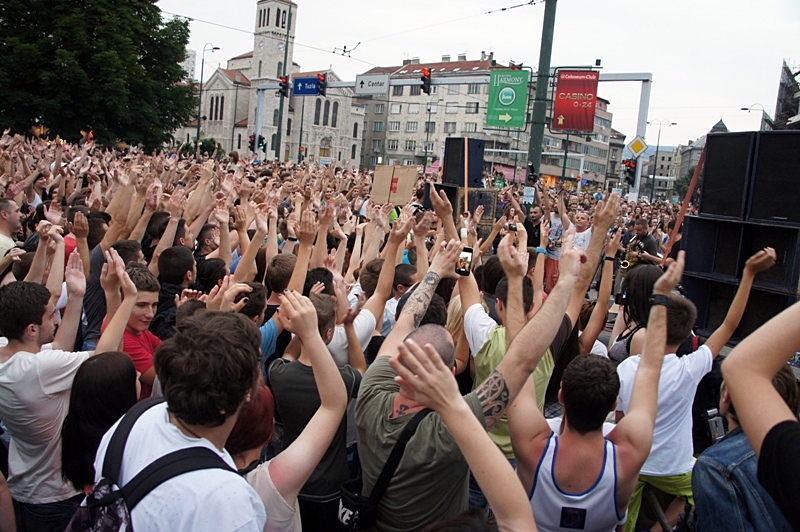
(272,58)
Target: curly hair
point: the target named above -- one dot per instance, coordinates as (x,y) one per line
(207,368)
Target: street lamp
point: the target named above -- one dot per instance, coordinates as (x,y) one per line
(765,118)
(427,135)
(658,123)
(200,92)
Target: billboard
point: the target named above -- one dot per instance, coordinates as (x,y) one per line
(574,100)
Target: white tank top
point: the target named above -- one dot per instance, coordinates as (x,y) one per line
(595,509)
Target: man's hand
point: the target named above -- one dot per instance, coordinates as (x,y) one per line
(401,230)
(612,246)
(43,228)
(606,213)
(763,260)
(424,377)
(670,279)
(514,260)
(441,205)
(444,263)
(326,215)
(176,203)
(239,218)
(544,233)
(79,226)
(74,277)
(55,234)
(109,278)
(570,268)
(499,224)
(421,229)
(261,220)
(153,196)
(298,314)
(54,213)
(189,295)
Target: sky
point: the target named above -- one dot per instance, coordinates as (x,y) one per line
(708,58)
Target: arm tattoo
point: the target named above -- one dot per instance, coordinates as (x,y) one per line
(493,395)
(420,298)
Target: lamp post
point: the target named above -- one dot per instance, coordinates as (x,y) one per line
(658,123)
(200,93)
(765,118)
(427,135)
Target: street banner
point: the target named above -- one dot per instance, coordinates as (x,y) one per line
(508,98)
(574,100)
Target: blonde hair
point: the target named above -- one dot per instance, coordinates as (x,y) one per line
(455,317)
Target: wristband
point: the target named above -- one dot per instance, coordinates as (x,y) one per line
(612,259)
(541,250)
(659,299)
(291,239)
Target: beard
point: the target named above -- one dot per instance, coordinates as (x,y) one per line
(45,338)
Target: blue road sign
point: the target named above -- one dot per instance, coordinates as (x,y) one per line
(305,86)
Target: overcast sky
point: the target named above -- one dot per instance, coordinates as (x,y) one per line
(709,58)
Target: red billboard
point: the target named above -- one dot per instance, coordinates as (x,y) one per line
(574,100)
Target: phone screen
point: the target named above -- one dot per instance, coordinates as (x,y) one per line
(464,263)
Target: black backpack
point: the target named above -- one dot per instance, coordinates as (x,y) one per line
(108,506)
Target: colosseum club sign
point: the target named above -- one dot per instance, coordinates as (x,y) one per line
(575,99)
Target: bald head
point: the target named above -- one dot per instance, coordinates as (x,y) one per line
(439,338)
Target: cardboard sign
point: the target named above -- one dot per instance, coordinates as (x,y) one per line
(393,184)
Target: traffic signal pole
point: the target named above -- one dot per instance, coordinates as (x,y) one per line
(280,105)
(542,85)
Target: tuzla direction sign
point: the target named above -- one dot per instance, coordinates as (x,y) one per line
(574,100)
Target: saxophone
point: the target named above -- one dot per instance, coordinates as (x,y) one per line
(634,245)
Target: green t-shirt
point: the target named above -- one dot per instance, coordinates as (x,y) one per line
(431,482)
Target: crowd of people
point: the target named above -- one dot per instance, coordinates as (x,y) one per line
(264,347)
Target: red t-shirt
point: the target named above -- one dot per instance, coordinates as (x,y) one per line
(141,347)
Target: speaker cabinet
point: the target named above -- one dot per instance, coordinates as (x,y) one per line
(478,196)
(712,246)
(454,171)
(729,157)
(452,194)
(776,179)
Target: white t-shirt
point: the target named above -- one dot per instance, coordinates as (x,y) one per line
(352,297)
(210,499)
(34,400)
(477,326)
(671,453)
(364,325)
(283,517)
(581,240)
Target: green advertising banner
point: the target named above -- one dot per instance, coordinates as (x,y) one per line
(508,98)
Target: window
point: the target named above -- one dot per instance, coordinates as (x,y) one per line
(355,130)
(376,145)
(413,108)
(373,160)
(408,162)
(449,127)
(211,108)
(324,152)
(394,126)
(473,88)
(411,145)
(451,108)
(434,89)
(379,108)
(428,146)
(452,89)
(397,90)
(288,126)
(275,117)
(221,106)
(326,112)
(283,19)
(259,69)
(391,145)
(273,143)
(377,126)
(239,142)
(353,152)
(470,127)
(599,121)
(416,90)
(317,111)
(335,114)
(411,127)
(472,108)
(433,108)
(430,127)
(395,108)
(279,71)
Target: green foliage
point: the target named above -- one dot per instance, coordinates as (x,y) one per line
(682,183)
(207,146)
(112,67)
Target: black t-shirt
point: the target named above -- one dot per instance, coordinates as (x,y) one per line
(534,232)
(779,468)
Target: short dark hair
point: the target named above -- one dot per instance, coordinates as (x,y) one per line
(589,387)
(21,303)
(527,292)
(173,263)
(325,305)
(207,368)
(279,271)
(157,224)
(681,315)
(403,274)
(128,250)
(97,230)
(368,276)
(256,300)
(492,273)
(209,273)
(319,275)
(189,309)
(642,222)
(207,231)
(21,268)
(142,278)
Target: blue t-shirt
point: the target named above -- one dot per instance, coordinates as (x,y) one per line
(269,335)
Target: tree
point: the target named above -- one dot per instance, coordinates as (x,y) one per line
(112,67)
(682,183)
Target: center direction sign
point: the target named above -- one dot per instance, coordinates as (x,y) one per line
(305,86)
(508,98)
(372,84)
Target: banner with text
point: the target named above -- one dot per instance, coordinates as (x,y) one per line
(574,100)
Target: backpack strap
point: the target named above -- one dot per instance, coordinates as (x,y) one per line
(112,462)
(397,453)
(169,466)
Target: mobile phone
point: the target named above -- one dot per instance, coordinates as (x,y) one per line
(621,298)
(464,263)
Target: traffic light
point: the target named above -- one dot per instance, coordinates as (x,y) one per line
(630,171)
(252,143)
(262,143)
(515,66)
(283,91)
(426,80)
(322,83)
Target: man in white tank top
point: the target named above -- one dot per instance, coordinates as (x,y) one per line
(577,479)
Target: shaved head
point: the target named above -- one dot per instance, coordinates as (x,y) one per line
(439,338)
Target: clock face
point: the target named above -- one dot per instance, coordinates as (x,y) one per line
(261,45)
(281,46)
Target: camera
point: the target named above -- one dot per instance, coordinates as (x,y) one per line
(511,227)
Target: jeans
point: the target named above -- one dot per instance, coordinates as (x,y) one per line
(477,500)
(48,517)
(89,345)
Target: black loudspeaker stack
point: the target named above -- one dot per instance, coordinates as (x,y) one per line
(750,199)
(458,170)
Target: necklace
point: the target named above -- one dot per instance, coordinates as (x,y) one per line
(187,429)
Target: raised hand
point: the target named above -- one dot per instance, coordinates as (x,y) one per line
(441,205)
(670,279)
(570,268)
(109,278)
(229,303)
(605,213)
(308,228)
(53,214)
(514,260)
(74,277)
(221,214)
(55,233)
(401,230)
(298,315)
(499,224)
(421,229)
(612,245)
(189,295)
(444,263)
(177,202)
(763,260)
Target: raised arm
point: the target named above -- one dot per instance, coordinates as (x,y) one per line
(291,469)
(80,230)
(306,238)
(597,321)
(383,290)
(111,339)
(176,204)
(423,376)
(71,318)
(515,263)
(248,259)
(444,210)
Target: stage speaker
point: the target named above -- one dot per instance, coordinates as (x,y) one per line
(729,158)
(452,195)
(776,178)
(479,196)
(453,166)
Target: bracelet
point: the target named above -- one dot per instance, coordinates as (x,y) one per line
(659,299)
(541,250)
(291,239)
(612,259)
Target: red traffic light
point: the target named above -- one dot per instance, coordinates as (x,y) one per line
(283,79)
(425,72)
(321,77)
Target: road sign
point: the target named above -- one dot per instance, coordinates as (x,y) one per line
(574,100)
(372,84)
(305,86)
(508,98)
(637,146)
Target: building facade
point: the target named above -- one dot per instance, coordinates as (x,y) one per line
(614,168)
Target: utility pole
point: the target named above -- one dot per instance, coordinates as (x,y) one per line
(280,105)
(542,86)
(302,118)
